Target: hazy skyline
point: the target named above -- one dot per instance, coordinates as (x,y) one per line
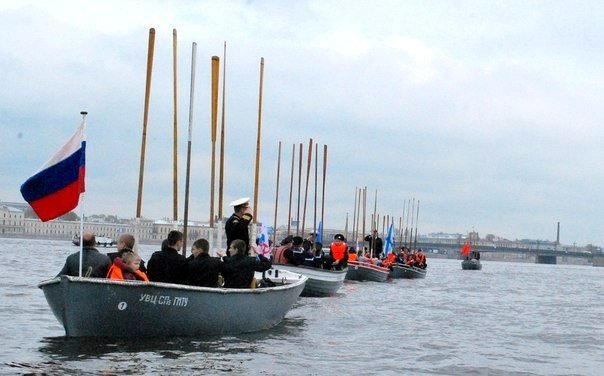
(487,113)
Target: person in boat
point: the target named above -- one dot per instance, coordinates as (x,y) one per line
(319,257)
(374,239)
(127,267)
(298,250)
(203,269)
(168,265)
(411,259)
(338,253)
(94,263)
(125,243)
(236,227)
(283,253)
(389,260)
(309,241)
(403,256)
(352,254)
(238,268)
(421,259)
(312,254)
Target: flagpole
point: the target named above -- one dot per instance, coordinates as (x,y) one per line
(83,113)
(190,136)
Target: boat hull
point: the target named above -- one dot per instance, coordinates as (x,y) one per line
(406,271)
(108,308)
(321,282)
(471,264)
(362,271)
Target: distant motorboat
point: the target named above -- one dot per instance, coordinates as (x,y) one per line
(101,241)
(471,264)
(472,258)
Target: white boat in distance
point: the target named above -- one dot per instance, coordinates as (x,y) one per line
(100,241)
(98,307)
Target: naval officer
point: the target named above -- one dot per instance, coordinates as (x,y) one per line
(236,227)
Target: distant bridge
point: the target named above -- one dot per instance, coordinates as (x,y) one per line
(543,253)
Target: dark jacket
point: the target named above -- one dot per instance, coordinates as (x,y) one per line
(238,270)
(379,245)
(203,270)
(97,262)
(167,265)
(236,228)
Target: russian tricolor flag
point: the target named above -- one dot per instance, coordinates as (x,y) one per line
(55,189)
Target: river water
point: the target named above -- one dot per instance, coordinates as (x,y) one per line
(508,319)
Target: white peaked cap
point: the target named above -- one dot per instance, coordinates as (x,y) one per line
(240,201)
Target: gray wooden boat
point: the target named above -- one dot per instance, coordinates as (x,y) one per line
(471,264)
(406,271)
(363,271)
(321,282)
(110,308)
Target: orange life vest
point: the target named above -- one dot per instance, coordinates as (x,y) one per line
(279,257)
(115,272)
(352,257)
(338,250)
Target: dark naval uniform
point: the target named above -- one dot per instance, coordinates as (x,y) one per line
(237,228)
(238,270)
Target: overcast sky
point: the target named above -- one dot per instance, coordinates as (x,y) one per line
(488,113)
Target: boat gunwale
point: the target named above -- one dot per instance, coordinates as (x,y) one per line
(312,268)
(173,286)
(369,266)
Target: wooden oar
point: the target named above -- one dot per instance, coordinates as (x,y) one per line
(299,191)
(145,118)
(323,191)
(364,212)
(354,216)
(258,138)
(277,195)
(213,128)
(416,220)
(306,188)
(190,137)
(175,138)
(291,189)
(314,226)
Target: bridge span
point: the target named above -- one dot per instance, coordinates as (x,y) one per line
(543,254)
